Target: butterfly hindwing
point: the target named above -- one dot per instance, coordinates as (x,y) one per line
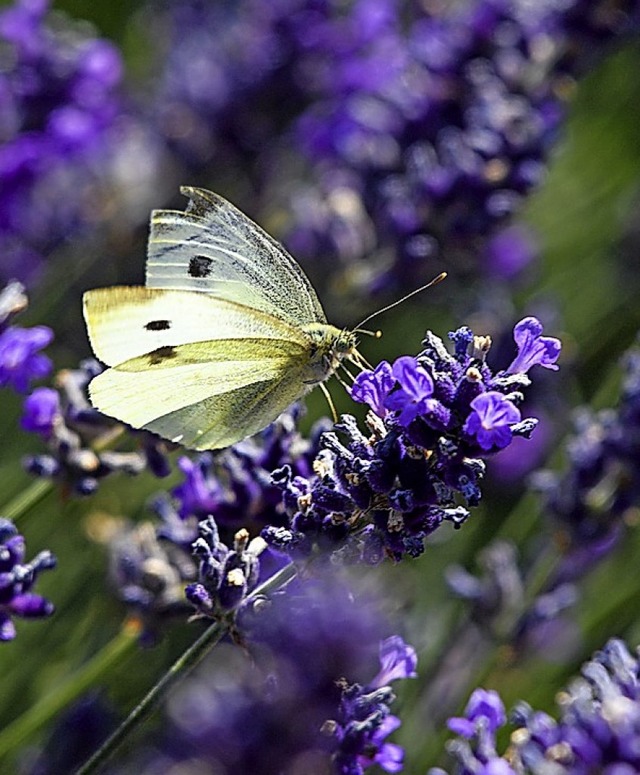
(214,248)
(219,421)
(204,393)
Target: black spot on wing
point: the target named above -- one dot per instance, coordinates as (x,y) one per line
(158,325)
(200,266)
(161,355)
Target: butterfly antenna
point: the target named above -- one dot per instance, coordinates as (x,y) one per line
(433,282)
(327,395)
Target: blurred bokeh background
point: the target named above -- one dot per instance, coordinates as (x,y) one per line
(383,142)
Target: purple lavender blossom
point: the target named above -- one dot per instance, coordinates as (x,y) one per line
(240,713)
(533,348)
(60,112)
(484,706)
(414,391)
(364,719)
(21,361)
(225,575)
(372,387)
(17,579)
(597,729)
(41,410)
(397,660)
(491,420)
(72,429)
(447,413)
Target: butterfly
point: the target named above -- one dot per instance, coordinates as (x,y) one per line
(226,333)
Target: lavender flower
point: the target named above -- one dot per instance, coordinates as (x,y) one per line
(17,579)
(267,711)
(364,718)
(443,415)
(21,361)
(533,348)
(74,432)
(149,566)
(226,575)
(430,127)
(597,730)
(491,420)
(60,108)
(41,411)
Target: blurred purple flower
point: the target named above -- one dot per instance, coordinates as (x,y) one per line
(20,359)
(40,411)
(397,660)
(511,251)
(484,706)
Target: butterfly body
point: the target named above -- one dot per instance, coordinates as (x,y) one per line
(224,336)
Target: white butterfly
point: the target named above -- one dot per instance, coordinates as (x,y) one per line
(226,334)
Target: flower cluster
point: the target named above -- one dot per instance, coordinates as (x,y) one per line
(434,125)
(591,499)
(59,103)
(17,579)
(234,485)
(364,717)
(77,436)
(417,130)
(149,565)
(598,729)
(225,575)
(21,361)
(434,419)
(264,709)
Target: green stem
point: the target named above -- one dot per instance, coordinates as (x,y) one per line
(183,665)
(23,727)
(36,492)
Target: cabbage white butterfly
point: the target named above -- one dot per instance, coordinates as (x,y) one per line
(226,333)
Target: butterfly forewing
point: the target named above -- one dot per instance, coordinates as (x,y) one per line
(128,322)
(225,335)
(214,248)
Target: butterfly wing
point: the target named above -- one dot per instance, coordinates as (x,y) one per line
(126,322)
(206,396)
(195,369)
(214,248)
